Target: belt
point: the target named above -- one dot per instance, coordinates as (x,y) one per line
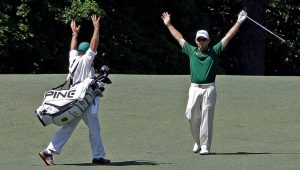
(202,85)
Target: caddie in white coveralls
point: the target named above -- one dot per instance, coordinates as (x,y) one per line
(202,92)
(81,60)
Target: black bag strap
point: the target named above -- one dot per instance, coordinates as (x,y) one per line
(60,86)
(72,73)
(71,77)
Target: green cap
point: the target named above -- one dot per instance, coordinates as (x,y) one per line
(83,47)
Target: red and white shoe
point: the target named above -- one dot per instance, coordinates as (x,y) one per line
(47,158)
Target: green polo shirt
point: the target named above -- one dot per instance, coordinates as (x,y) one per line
(203,64)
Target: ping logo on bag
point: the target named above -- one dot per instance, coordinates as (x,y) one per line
(62,94)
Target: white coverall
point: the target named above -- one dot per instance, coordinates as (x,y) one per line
(90,117)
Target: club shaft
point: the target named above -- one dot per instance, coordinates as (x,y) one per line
(265,29)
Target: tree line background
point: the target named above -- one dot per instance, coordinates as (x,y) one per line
(35,35)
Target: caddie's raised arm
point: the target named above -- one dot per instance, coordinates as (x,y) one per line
(166,17)
(95,38)
(231,33)
(75,31)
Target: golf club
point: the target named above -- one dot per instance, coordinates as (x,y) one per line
(266,29)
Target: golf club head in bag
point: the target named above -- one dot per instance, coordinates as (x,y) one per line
(99,81)
(104,75)
(60,107)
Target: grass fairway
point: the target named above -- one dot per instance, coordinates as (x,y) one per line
(257,124)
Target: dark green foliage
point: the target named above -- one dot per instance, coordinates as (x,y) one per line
(35,35)
(284,19)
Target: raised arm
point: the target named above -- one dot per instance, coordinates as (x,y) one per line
(75,32)
(233,30)
(166,17)
(95,38)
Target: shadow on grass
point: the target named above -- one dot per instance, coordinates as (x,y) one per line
(250,153)
(124,163)
(242,153)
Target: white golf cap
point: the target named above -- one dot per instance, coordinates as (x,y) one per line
(202,33)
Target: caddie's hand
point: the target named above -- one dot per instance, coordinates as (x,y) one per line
(96,21)
(74,28)
(166,17)
(242,16)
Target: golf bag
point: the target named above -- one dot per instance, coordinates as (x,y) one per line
(60,107)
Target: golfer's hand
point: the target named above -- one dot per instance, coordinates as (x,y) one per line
(74,28)
(242,16)
(166,17)
(96,21)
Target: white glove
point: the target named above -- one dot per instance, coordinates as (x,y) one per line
(242,16)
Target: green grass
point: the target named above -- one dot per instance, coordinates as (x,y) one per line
(143,125)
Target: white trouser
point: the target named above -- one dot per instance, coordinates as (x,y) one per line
(200,112)
(90,118)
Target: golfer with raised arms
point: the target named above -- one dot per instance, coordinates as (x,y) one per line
(203,69)
(82,57)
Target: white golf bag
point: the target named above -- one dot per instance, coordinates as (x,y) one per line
(60,107)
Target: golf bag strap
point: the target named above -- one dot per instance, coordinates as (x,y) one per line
(69,77)
(60,86)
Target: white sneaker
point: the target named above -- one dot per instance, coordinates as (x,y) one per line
(196,148)
(204,150)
